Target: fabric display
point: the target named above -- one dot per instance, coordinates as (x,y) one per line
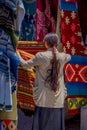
(72,43)
(31,47)
(46,17)
(11,16)
(73,38)
(28,30)
(25,86)
(76,83)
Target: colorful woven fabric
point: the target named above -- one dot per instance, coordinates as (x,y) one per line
(46,17)
(9,125)
(31,47)
(76,73)
(72,40)
(25,85)
(76,83)
(69,6)
(74,102)
(28,30)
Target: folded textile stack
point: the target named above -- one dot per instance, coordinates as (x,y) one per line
(25,85)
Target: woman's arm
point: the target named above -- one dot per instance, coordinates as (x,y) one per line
(35,61)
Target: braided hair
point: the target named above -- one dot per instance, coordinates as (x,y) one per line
(52,78)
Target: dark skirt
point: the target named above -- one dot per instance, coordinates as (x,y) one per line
(48,119)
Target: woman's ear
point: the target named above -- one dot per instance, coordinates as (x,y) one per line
(46,45)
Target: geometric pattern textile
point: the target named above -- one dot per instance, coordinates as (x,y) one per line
(75,73)
(9,125)
(72,43)
(72,40)
(75,102)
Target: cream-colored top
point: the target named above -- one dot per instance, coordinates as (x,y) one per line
(42,93)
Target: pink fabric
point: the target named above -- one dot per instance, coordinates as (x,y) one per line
(46,17)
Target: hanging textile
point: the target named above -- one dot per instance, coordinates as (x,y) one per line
(28,30)
(73,38)
(72,43)
(46,17)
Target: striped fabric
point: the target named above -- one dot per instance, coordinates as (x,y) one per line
(25,85)
(31,47)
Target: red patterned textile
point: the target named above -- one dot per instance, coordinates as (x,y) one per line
(46,17)
(72,40)
(75,73)
(9,125)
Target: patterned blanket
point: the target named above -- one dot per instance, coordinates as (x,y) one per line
(72,43)
(25,85)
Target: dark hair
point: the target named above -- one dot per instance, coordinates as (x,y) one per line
(52,78)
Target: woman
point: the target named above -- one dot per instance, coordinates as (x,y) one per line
(49,90)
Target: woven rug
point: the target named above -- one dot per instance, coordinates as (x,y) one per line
(25,85)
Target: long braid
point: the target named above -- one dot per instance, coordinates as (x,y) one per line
(53,73)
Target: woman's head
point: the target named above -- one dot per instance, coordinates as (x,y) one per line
(51,39)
